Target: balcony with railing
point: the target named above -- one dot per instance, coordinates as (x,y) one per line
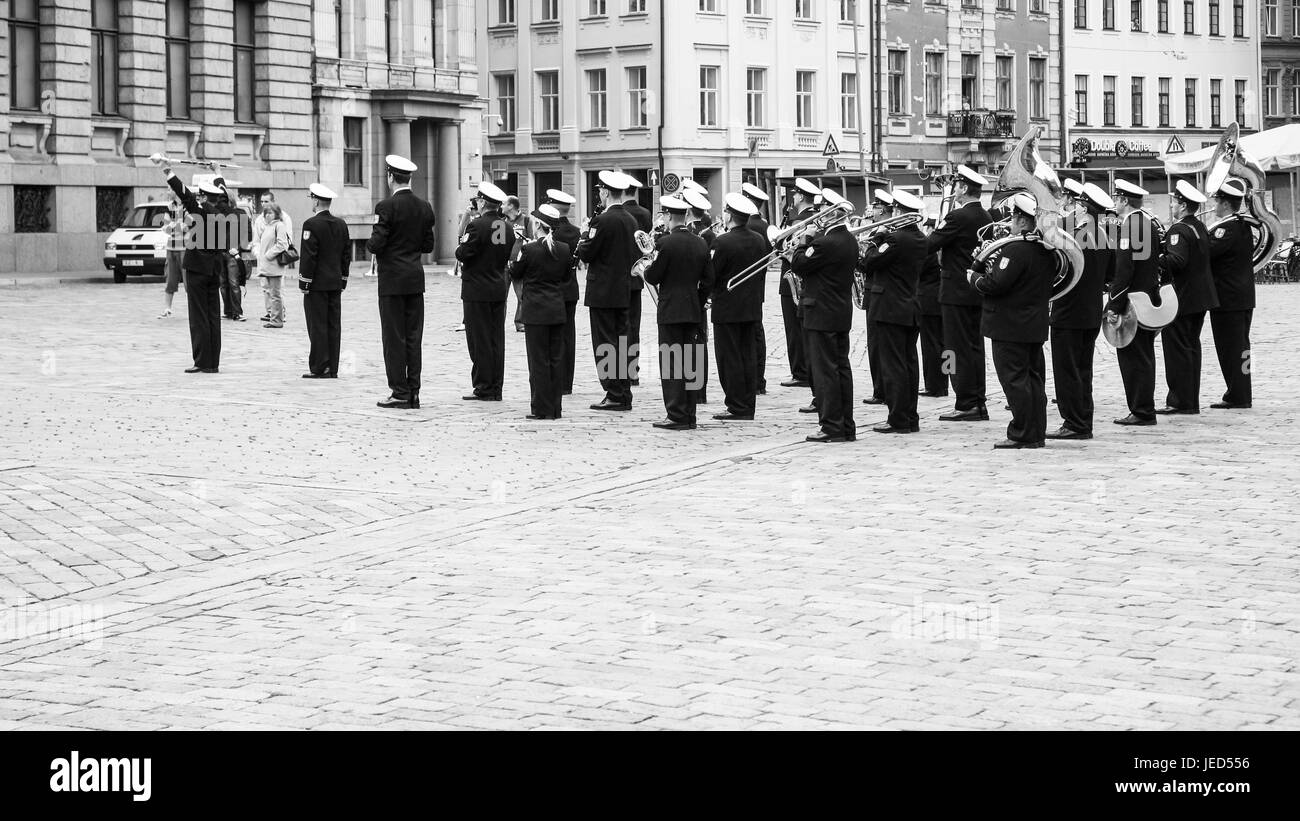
(982,124)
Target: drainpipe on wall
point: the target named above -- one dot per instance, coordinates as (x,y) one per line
(1060,49)
(663,48)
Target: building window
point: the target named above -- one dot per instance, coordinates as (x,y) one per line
(505,13)
(803,99)
(1270,18)
(505,88)
(709,6)
(1240,101)
(244,44)
(1135,14)
(1214,18)
(1003,66)
(24,54)
(548,96)
(849,101)
(1295,97)
(1295,23)
(1162,100)
(1005,5)
(178,58)
(1238,18)
(803,10)
(1037,6)
(1108,14)
(934,83)
(353,158)
(709,95)
(111,205)
(1081,14)
(1038,88)
(1137,101)
(1189,101)
(596,8)
(1162,16)
(32,205)
(550,11)
(637,117)
(596,103)
(970,82)
(103,57)
(1272,79)
(1189,17)
(1081,99)
(1108,100)
(756,97)
(754,8)
(1216,103)
(897,81)
(636,6)
(848,10)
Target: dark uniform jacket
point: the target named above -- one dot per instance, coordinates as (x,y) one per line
(1016,289)
(1187,261)
(955,238)
(483,253)
(896,262)
(609,253)
(1081,308)
(545,273)
(644,222)
(567,233)
(326,253)
(927,287)
(785,266)
(403,232)
(682,271)
(759,226)
(1231,250)
(826,266)
(216,229)
(703,229)
(1137,266)
(732,253)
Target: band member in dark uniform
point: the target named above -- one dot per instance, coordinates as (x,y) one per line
(826,267)
(681,270)
(210,227)
(759,225)
(934,382)
(644,222)
(1136,269)
(1186,261)
(1016,287)
(1076,318)
(403,232)
(322,276)
(698,222)
(609,249)
(483,253)
(896,261)
(567,233)
(955,238)
(1231,247)
(801,208)
(544,266)
(882,207)
(736,312)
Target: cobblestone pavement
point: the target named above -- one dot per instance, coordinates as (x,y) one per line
(251,550)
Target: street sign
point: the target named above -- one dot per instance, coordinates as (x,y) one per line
(753,146)
(1175,146)
(671,183)
(653,178)
(831,148)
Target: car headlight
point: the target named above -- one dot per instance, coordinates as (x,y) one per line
(110,246)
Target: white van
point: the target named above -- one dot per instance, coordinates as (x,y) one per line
(139,246)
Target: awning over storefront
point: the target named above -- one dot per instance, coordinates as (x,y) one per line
(1276,149)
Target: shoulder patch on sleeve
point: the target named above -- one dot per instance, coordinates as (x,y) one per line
(810,252)
(306,235)
(464,238)
(884,248)
(713,252)
(1218,233)
(1005,262)
(1123,244)
(376,219)
(1173,239)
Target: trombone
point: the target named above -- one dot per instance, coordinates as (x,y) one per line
(822,221)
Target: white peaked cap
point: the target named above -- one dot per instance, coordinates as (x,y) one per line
(741,204)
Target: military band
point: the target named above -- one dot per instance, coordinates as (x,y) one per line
(1186,262)
(644,222)
(483,253)
(567,233)
(934,379)
(1137,271)
(882,208)
(544,270)
(1231,244)
(609,249)
(737,314)
(759,226)
(801,208)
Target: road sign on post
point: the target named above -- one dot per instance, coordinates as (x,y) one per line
(831,148)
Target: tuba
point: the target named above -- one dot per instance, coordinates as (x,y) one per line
(1229,160)
(1026,171)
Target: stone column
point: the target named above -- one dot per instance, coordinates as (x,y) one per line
(399,136)
(447,182)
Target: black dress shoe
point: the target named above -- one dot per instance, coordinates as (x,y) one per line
(1133,420)
(1010,445)
(980,414)
(931,394)
(669,424)
(606,405)
(762,391)
(795,383)
(474,397)
(540,418)
(809,409)
(1180,411)
(1068,433)
(734,417)
(566,393)
(415,401)
(885,427)
(317,376)
(393,403)
(873,400)
(195,369)
(1230,406)
(825,438)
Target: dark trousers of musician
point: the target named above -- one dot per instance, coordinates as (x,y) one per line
(1137,368)
(1181,340)
(570,344)
(485,336)
(812,373)
(702,395)
(733,344)
(1231,331)
(609,344)
(794,349)
(961,335)
(401,327)
(323,313)
(900,372)
(828,361)
(203,295)
(760,357)
(933,378)
(232,296)
(873,353)
(1072,352)
(545,345)
(680,356)
(634,336)
(1023,373)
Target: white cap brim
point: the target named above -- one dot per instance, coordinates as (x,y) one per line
(740,204)
(400,164)
(321,192)
(559,196)
(905,199)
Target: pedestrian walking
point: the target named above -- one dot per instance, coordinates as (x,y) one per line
(273,241)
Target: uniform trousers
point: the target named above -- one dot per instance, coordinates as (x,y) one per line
(1231,331)
(203,296)
(873,351)
(323,313)
(609,344)
(634,335)
(570,334)
(1181,340)
(900,372)
(545,346)
(932,375)
(794,347)
(828,362)
(1137,368)
(485,337)
(401,328)
(1023,374)
(1072,352)
(760,357)
(733,346)
(961,335)
(679,358)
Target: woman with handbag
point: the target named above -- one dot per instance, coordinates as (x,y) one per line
(275,256)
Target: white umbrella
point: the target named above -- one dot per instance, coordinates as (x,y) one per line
(1276,149)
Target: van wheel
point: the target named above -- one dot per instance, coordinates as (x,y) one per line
(119,276)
